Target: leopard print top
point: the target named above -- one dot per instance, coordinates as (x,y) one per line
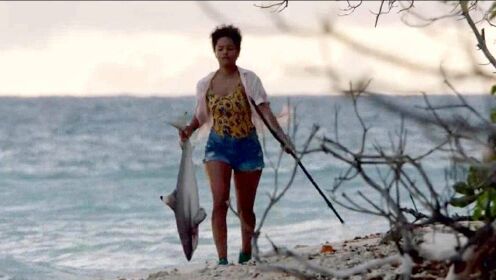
(231,113)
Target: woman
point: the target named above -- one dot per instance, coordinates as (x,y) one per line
(232,146)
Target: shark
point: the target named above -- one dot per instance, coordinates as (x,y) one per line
(184,200)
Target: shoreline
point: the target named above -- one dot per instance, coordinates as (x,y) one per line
(334,255)
(372,256)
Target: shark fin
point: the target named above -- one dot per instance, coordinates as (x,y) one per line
(170,200)
(177,125)
(180,122)
(200,216)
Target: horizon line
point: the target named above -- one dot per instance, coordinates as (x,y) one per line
(131,95)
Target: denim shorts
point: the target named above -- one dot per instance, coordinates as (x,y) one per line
(242,154)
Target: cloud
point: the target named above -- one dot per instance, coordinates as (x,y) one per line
(33,23)
(142,48)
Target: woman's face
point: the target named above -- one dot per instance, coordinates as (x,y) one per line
(226,51)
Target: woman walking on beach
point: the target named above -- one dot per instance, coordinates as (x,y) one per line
(223,102)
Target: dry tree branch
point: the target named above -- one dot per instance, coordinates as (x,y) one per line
(396,162)
(375,206)
(281,5)
(379,13)
(455,129)
(465,104)
(391,5)
(404,261)
(350,8)
(422,119)
(411,186)
(480,36)
(339,180)
(406,8)
(415,213)
(407,11)
(276,196)
(354,206)
(364,49)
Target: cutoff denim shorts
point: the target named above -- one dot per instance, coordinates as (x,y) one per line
(243,154)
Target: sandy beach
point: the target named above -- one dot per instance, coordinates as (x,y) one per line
(340,257)
(336,256)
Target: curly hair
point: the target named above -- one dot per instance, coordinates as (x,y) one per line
(229,31)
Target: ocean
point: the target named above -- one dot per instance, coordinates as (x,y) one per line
(80,181)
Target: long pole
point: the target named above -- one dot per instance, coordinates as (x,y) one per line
(297,160)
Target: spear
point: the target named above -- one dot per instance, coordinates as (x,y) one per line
(291,152)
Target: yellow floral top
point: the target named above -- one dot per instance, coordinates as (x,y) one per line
(231,113)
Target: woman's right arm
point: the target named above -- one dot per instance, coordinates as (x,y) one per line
(267,113)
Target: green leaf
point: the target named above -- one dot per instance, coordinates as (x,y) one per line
(477,176)
(462,201)
(493,115)
(483,198)
(473,177)
(463,188)
(482,203)
(493,209)
(493,88)
(477,214)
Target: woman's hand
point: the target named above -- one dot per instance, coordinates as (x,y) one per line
(185,133)
(288,145)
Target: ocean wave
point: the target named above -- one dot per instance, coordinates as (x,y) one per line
(15,269)
(81,180)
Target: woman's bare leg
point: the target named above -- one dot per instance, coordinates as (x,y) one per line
(219,174)
(246,189)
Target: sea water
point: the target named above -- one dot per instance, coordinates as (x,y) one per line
(80,181)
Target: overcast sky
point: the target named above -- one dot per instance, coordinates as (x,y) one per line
(163,48)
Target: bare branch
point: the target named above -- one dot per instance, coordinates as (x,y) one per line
(379,13)
(350,9)
(344,273)
(481,39)
(280,6)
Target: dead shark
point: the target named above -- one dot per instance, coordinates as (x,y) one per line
(184,201)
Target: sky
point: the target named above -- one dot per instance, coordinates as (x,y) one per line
(162,48)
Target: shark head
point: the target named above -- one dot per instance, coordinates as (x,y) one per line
(189,242)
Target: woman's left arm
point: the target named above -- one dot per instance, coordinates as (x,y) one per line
(274,125)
